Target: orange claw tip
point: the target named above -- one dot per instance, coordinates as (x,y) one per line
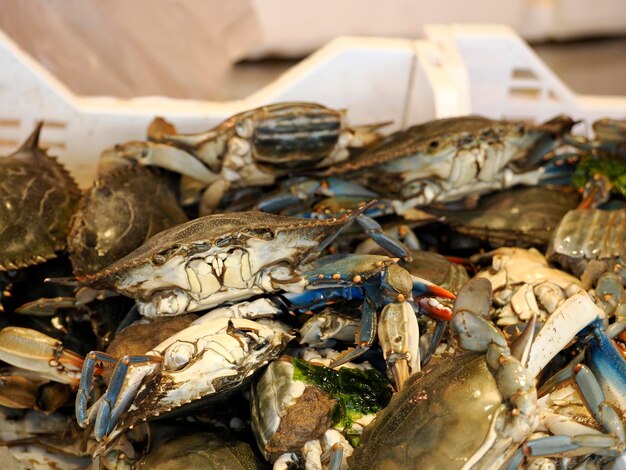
(458,260)
(440,292)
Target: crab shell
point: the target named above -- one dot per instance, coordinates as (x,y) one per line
(281,137)
(120,212)
(214,259)
(522,217)
(429,150)
(439,419)
(209,358)
(37,199)
(585,235)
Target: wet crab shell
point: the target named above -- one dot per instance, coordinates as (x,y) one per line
(522,216)
(37,199)
(216,258)
(120,212)
(586,234)
(441,139)
(440,419)
(281,137)
(204,450)
(291,135)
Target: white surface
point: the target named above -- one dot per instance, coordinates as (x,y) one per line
(457,70)
(312,24)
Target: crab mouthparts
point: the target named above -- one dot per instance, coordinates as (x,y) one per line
(186,285)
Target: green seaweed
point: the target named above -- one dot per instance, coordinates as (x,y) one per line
(357,392)
(613,167)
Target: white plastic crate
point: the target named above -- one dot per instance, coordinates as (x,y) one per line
(456,70)
(313,24)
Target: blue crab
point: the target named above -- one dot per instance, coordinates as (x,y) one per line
(252,148)
(216,354)
(299,406)
(121,210)
(487,401)
(439,161)
(219,258)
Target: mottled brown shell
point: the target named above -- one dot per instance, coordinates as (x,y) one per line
(37,199)
(438,420)
(521,217)
(201,450)
(120,212)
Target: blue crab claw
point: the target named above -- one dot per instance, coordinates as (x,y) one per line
(383,287)
(398,335)
(109,406)
(603,359)
(611,444)
(423,286)
(119,396)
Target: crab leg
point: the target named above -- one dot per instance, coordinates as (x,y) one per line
(37,352)
(390,244)
(367,334)
(611,444)
(440,329)
(161,155)
(572,316)
(115,401)
(334,456)
(398,334)
(305,189)
(18,392)
(85,414)
(475,333)
(607,363)
(563,446)
(592,394)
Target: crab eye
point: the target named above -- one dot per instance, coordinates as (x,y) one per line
(178,356)
(161,258)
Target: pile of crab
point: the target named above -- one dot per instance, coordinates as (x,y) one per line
(287,290)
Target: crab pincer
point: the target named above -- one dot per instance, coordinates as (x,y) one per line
(34,351)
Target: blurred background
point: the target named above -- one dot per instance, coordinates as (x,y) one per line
(213,50)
